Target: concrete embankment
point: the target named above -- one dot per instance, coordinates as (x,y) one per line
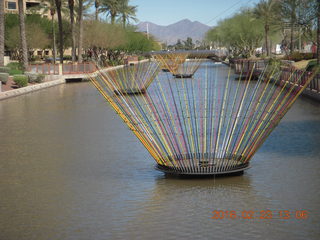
(32,88)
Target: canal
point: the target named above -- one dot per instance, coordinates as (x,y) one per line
(71,169)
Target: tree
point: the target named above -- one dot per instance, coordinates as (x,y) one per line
(289,10)
(241,33)
(110,7)
(73,35)
(80,30)
(23,39)
(188,44)
(35,36)
(318,32)
(98,37)
(178,45)
(1,33)
(52,11)
(267,12)
(58,7)
(137,42)
(127,12)
(97,5)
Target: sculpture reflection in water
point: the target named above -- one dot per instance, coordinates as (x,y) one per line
(207,125)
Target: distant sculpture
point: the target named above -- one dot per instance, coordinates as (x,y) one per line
(133,78)
(178,64)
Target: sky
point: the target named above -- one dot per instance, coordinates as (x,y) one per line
(165,12)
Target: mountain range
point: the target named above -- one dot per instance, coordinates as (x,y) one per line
(179,30)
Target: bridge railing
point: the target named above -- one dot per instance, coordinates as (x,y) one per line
(47,69)
(78,68)
(246,67)
(65,69)
(293,76)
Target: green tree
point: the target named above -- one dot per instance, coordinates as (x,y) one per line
(267,12)
(35,36)
(110,7)
(137,42)
(127,12)
(178,45)
(188,44)
(289,11)
(102,35)
(241,33)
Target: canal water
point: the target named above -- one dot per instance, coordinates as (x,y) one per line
(71,169)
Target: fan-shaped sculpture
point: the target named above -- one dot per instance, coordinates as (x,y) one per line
(179,65)
(134,78)
(188,68)
(206,125)
(171,61)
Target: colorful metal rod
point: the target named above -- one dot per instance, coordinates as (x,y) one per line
(210,124)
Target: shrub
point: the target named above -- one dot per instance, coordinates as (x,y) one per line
(15,68)
(4,77)
(40,78)
(67,57)
(311,65)
(21,80)
(32,77)
(4,70)
(141,58)
(297,56)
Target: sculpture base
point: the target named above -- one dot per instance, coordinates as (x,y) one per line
(204,171)
(183,75)
(130,92)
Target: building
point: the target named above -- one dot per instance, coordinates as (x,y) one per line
(29,6)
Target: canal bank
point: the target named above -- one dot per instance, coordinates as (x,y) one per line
(32,88)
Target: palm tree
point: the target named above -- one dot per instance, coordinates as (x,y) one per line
(97,5)
(23,38)
(80,30)
(1,33)
(289,9)
(54,47)
(58,7)
(318,32)
(52,9)
(267,11)
(73,37)
(127,12)
(110,7)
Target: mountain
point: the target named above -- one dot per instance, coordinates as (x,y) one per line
(179,30)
